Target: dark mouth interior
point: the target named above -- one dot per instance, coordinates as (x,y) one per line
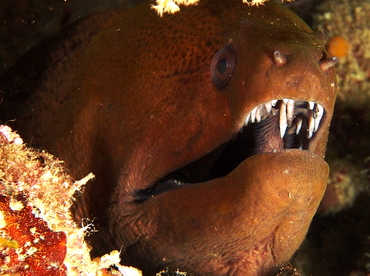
(261,133)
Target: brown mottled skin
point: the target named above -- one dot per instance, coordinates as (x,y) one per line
(129,96)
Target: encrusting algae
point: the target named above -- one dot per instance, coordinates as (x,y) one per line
(37,233)
(346,25)
(338,242)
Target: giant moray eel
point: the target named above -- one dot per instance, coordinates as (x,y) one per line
(206,131)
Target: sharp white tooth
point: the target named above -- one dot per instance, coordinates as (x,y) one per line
(246,122)
(178,182)
(286,101)
(316,124)
(253,115)
(299,125)
(258,116)
(268,107)
(311,105)
(290,112)
(258,113)
(273,102)
(282,120)
(319,111)
(311,125)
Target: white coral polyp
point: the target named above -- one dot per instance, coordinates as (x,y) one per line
(171,6)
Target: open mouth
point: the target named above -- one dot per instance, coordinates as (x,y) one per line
(270,127)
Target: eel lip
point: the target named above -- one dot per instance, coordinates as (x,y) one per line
(288,186)
(263,208)
(273,126)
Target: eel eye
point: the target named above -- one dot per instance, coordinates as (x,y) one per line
(222,66)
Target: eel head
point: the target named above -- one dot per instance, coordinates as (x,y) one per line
(238,190)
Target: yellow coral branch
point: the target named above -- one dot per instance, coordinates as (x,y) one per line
(254,2)
(171,6)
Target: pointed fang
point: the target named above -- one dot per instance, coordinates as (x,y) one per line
(311,125)
(299,125)
(283,120)
(290,112)
(268,107)
(246,122)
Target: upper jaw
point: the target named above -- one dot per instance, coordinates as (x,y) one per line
(295,119)
(288,109)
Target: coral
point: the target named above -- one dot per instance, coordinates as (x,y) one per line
(37,233)
(29,246)
(345,184)
(350,20)
(171,6)
(338,240)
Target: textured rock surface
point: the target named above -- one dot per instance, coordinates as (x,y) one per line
(37,233)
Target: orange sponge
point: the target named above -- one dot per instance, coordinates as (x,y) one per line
(338,46)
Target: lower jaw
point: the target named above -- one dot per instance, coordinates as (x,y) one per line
(267,193)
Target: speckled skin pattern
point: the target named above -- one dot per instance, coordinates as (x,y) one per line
(130,97)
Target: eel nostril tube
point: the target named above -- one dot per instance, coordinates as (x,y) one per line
(279,59)
(327,63)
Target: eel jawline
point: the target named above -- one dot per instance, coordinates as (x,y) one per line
(264,216)
(270,127)
(258,211)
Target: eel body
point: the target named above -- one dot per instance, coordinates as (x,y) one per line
(180,118)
